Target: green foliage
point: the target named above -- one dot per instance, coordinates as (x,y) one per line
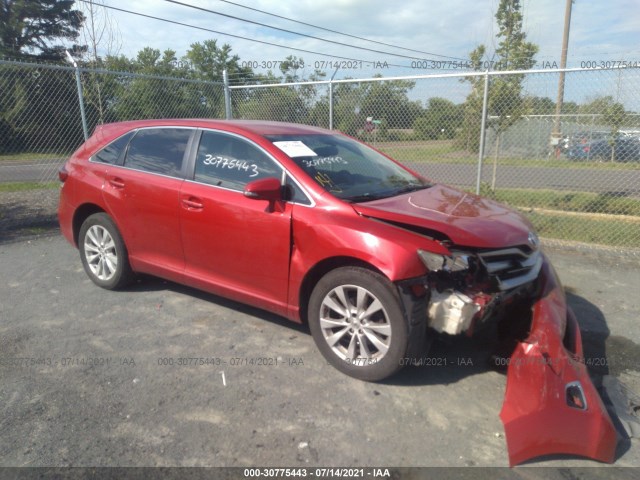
(439,121)
(207,62)
(505,102)
(38,107)
(533,105)
(296,104)
(31,28)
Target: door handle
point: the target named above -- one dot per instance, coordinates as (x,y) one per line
(116,182)
(192,203)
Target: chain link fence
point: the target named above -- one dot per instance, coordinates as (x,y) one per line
(47,110)
(574,170)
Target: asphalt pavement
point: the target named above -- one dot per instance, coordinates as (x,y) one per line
(619,182)
(164,375)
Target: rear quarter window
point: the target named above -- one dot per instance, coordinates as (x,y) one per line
(113,153)
(159,150)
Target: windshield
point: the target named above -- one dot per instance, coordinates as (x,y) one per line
(347,169)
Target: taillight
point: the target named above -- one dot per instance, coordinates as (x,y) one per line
(63,173)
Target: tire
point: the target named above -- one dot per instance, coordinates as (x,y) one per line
(103,253)
(357,322)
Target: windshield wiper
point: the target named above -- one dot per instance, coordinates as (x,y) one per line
(412,187)
(367,197)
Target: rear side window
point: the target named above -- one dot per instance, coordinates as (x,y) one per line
(113,152)
(228,161)
(158,150)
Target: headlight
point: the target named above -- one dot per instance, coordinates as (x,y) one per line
(534,241)
(436,262)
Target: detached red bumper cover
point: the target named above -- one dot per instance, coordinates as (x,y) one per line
(551,406)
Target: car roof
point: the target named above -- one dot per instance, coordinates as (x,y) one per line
(258,127)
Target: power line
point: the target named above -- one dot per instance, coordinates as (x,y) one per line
(342,44)
(249,39)
(341,33)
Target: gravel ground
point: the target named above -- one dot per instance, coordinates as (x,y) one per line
(27,213)
(136,410)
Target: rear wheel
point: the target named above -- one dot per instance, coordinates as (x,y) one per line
(103,253)
(358,324)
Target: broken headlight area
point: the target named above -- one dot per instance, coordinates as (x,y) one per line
(550,404)
(467,288)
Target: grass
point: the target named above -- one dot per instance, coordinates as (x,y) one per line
(22,186)
(607,203)
(23,157)
(588,230)
(445,152)
(585,226)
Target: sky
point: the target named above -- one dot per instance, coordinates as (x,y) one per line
(601,31)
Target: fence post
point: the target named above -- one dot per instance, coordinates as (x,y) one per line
(485,98)
(331,99)
(330,105)
(83,116)
(227,95)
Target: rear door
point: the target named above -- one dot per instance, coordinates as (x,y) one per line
(233,245)
(143,196)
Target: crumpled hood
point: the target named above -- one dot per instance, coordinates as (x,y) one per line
(467,219)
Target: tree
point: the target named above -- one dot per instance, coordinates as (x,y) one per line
(440,120)
(207,62)
(149,97)
(538,105)
(505,102)
(99,32)
(614,116)
(32,28)
(35,105)
(289,103)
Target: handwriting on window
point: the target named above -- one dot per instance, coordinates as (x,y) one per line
(317,162)
(218,161)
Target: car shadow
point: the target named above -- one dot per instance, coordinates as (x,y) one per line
(147,283)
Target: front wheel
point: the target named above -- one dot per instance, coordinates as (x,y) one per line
(103,253)
(358,324)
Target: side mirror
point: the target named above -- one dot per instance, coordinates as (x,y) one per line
(264,189)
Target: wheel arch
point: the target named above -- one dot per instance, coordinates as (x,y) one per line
(319,270)
(83,212)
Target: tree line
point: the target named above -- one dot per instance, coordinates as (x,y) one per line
(39,107)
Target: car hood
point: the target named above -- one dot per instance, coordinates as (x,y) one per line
(466,219)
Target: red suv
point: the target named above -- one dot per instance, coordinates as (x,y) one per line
(320,228)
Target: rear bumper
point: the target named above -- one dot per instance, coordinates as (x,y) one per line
(65,219)
(551,405)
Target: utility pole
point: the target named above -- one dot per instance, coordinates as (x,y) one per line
(556,134)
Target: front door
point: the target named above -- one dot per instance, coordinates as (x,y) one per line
(233,245)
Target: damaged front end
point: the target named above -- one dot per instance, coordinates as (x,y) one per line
(468,288)
(551,405)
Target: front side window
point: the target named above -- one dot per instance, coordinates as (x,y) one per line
(347,169)
(227,161)
(158,150)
